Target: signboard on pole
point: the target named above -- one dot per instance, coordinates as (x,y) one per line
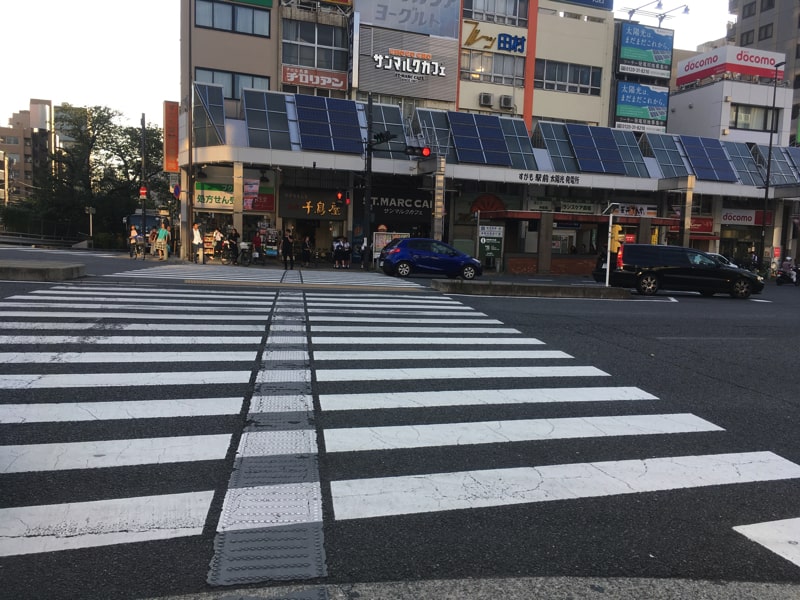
(490,243)
(645,50)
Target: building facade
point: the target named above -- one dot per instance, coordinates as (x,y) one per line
(772,25)
(27,141)
(515,105)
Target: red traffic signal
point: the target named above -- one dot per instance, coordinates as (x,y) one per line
(423,151)
(347,200)
(339,196)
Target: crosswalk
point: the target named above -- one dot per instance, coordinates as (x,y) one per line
(238,373)
(322,276)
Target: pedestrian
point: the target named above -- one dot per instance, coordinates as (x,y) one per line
(217,243)
(337,253)
(161,242)
(347,253)
(152,239)
(169,240)
(132,240)
(287,249)
(306,251)
(197,244)
(234,236)
(365,257)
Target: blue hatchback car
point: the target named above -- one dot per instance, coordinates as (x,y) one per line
(404,256)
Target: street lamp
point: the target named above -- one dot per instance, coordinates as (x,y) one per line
(663,15)
(633,11)
(769,166)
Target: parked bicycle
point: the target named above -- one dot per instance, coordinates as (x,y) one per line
(245,254)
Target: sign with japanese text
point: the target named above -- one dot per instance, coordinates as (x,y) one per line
(636,210)
(310,204)
(549,178)
(318,78)
(641,107)
(409,64)
(428,17)
(489,36)
(258,196)
(171,137)
(645,50)
(390,209)
(213,196)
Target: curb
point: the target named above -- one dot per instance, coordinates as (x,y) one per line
(511,288)
(22,270)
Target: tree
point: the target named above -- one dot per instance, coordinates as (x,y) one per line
(98,163)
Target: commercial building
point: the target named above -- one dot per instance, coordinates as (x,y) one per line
(349,85)
(771,25)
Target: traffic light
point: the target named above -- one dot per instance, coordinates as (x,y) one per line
(423,151)
(347,200)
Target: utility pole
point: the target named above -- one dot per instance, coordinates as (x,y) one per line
(144,197)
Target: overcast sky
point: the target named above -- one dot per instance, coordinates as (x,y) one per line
(125,55)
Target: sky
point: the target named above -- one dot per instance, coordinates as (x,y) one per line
(125,55)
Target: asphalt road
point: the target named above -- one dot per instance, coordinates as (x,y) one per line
(587,499)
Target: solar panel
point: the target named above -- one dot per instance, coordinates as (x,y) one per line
(595,149)
(329,124)
(479,139)
(744,164)
(555,139)
(667,153)
(708,159)
(518,142)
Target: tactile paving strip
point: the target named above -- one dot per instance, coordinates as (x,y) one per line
(271,525)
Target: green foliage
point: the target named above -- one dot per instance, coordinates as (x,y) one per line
(99,165)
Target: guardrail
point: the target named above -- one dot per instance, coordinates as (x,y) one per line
(28,239)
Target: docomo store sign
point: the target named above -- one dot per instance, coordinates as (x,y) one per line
(730,59)
(733,216)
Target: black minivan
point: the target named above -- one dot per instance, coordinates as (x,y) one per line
(651,268)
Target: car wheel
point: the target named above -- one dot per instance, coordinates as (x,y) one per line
(742,288)
(648,284)
(403,269)
(468,272)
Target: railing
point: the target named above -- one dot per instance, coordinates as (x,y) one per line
(29,239)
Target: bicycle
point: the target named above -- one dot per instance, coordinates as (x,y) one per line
(138,247)
(245,254)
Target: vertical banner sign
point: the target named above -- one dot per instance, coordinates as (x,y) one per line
(171,137)
(645,50)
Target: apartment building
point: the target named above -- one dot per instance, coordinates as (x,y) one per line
(27,142)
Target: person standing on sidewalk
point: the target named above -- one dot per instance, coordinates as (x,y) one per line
(287,249)
(197,244)
(161,242)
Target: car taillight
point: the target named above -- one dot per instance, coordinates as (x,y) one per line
(619,258)
(394,251)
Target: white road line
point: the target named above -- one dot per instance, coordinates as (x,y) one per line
(129,409)
(90,338)
(103,327)
(150,316)
(136,380)
(145,299)
(51,527)
(118,305)
(427,330)
(163,294)
(465,373)
(381,311)
(435,492)
(112,453)
(424,341)
(395,320)
(392,400)
(396,354)
(357,439)
(132,356)
(781,537)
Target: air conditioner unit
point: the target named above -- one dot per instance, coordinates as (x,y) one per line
(728,99)
(726,132)
(485,99)
(506,102)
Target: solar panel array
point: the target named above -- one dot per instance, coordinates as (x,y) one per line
(208,118)
(387,118)
(518,140)
(744,164)
(479,139)
(708,159)
(435,128)
(595,149)
(668,155)
(555,139)
(267,119)
(316,115)
(631,153)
